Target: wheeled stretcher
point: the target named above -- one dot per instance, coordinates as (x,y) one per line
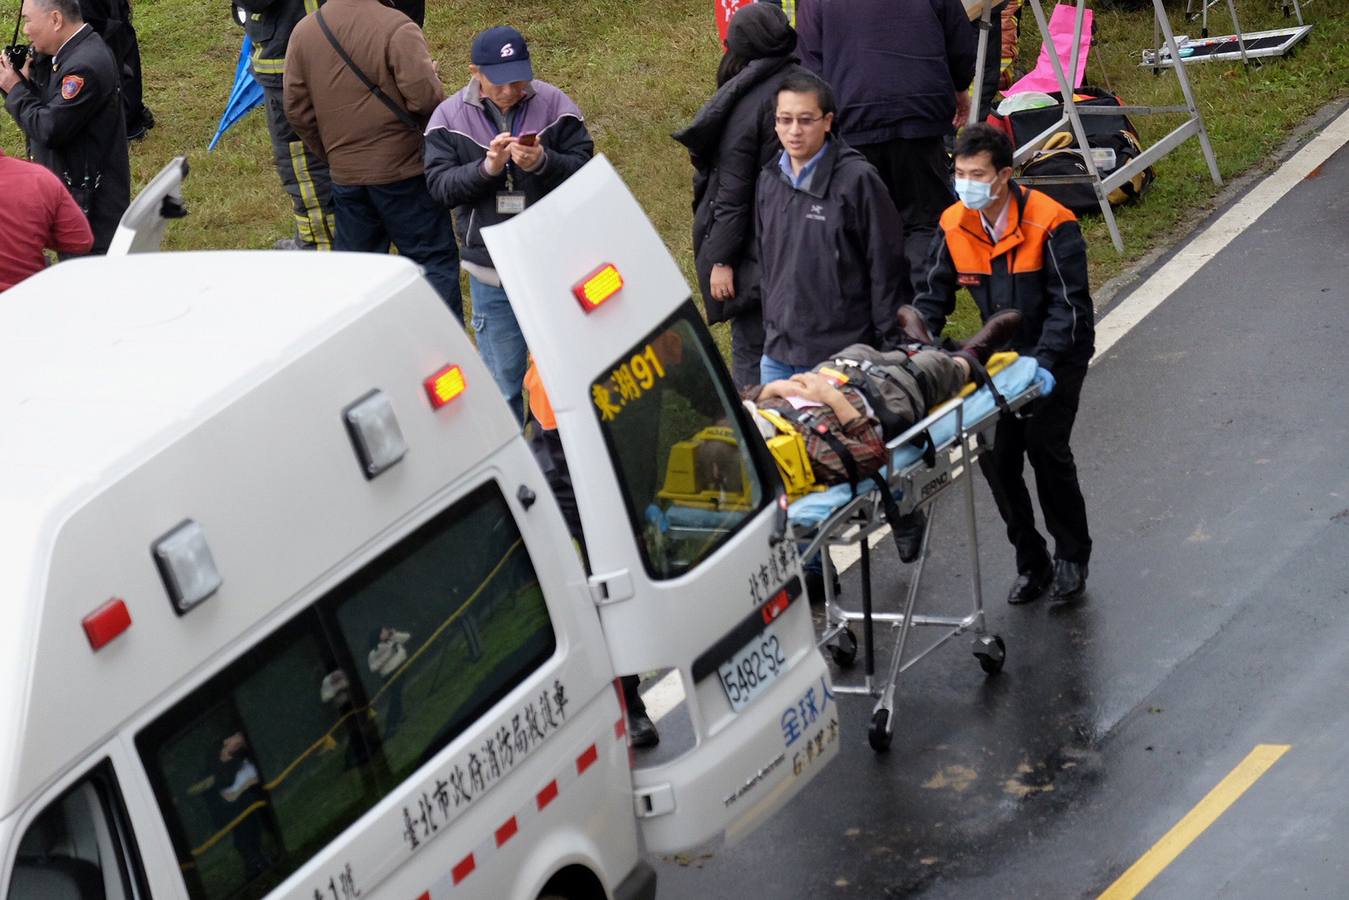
(960,431)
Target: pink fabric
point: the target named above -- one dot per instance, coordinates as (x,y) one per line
(1041,78)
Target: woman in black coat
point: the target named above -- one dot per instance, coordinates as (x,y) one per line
(729,141)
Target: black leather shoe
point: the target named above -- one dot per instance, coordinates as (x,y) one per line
(1070,579)
(914,326)
(642,731)
(909,535)
(1028,587)
(996,333)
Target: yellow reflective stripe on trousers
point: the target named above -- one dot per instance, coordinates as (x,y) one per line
(319,227)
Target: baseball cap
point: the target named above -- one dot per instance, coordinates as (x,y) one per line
(502,55)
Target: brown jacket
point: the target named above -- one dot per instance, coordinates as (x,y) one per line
(341,120)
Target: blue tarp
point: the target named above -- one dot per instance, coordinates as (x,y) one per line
(245,94)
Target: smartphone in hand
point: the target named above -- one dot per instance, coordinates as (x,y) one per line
(529,138)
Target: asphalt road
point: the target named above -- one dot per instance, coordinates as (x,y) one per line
(1212,444)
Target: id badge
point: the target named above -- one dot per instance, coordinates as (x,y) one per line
(510,203)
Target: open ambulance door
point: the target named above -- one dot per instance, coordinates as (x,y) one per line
(679,501)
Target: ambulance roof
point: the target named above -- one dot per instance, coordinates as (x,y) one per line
(106,362)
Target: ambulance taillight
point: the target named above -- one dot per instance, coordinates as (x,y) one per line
(106,623)
(444,386)
(597,287)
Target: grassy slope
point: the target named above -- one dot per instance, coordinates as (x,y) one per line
(639,69)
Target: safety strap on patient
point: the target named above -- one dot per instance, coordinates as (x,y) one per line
(888,505)
(923,441)
(979,375)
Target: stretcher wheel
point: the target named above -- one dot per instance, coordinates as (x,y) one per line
(879,736)
(844,651)
(991,653)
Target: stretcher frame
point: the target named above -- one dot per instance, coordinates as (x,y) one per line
(853,523)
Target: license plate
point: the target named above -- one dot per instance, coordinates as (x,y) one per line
(753,668)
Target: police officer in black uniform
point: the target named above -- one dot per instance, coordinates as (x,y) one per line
(304,176)
(67,100)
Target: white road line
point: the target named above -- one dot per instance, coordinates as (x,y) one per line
(668,693)
(1178,270)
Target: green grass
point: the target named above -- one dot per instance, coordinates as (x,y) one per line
(640,69)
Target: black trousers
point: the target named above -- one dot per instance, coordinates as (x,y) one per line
(370,217)
(303,175)
(917,173)
(1043,440)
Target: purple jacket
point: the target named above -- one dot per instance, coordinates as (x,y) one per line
(456,144)
(895,65)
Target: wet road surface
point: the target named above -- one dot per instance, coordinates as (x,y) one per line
(1212,445)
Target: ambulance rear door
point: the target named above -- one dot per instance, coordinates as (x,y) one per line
(680,505)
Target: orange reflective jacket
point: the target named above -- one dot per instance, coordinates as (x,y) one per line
(1038,267)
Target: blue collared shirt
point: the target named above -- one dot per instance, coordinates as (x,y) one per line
(801,182)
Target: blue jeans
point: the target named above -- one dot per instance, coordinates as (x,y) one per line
(772,370)
(371,216)
(500,343)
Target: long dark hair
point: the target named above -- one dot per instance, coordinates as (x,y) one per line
(756,31)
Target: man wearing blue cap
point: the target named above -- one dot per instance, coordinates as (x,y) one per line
(492,150)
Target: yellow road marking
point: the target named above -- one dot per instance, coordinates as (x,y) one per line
(1205,813)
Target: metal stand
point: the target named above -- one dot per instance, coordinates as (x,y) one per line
(985,25)
(1193,126)
(852,524)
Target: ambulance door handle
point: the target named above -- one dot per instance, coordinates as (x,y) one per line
(657,800)
(611,587)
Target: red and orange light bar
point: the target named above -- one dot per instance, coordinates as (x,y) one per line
(444,386)
(597,287)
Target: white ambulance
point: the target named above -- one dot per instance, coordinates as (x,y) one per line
(290,609)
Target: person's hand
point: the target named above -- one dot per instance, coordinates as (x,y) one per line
(780,389)
(8,77)
(498,152)
(815,386)
(526,156)
(723,282)
(962,109)
(1045,379)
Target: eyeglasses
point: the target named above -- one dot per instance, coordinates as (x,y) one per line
(803,121)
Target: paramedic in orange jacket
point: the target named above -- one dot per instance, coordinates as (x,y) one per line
(1016,248)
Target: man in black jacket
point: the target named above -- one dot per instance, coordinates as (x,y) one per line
(67,100)
(902,71)
(1015,248)
(829,240)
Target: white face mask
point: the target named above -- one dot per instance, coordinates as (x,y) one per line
(974,194)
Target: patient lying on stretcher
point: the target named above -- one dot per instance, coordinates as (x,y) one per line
(829,425)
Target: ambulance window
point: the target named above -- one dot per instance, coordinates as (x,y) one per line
(264,765)
(79,847)
(673,430)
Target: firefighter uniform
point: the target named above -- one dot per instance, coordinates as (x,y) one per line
(70,109)
(303,175)
(1039,267)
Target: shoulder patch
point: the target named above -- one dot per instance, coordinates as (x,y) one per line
(71,86)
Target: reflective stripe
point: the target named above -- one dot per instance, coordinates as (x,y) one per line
(319,225)
(267,66)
